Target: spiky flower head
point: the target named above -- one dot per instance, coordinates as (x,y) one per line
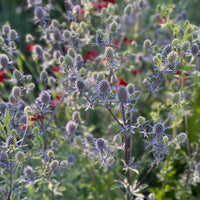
(158,128)
(54,144)
(104,87)
(43,76)
(147,44)
(141,120)
(66,34)
(16,91)
(5,29)
(175,42)
(70,158)
(10,140)
(17,75)
(57,34)
(28,171)
(122,94)
(71,127)
(63,164)
(117,139)
(39,12)
(176,98)
(100,76)
(23,119)
(195,49)
(128,10)
(89,138)
(185,46)
(167,49)
(171,67)
(181,137)
(130,88)
(12,35)
(76,116)
(172,56)
(45,97)
(53,165)
(3,107)
(68,61)
(151,196)
(20,156)
(80,84)
(113,27)
(38,50)
(50,154)
(4,60)
(110,161)
(13,132)
(109,52)
(100,144)
(71,52)
(78,141)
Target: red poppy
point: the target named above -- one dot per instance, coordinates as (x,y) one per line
(121,81)
(109,1)
(2,76)
(81,13)
(90,55)
(135,71)
(115,42)
(127,41)
(100,5)
(55,69)
(30,47)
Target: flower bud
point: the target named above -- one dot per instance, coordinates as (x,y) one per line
(172,56)
(110,161)
(20,156)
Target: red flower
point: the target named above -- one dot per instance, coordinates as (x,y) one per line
(30,47)
(135,71)
(127,41)
(2,76)
(55,100)
(90,55)
(100,5)
(81,13)
(109,1)
(35,117)
(121,81)
(179,78)
(55,69)
(115,42)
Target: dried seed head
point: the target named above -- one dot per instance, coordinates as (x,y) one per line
(39,12)
(104,87)
(20,156)
(45,97)
(54,144)
(109,53)
(122,94)
(147,44)
(80,84)
(3,107)
(195,49)
(53,165)
(110,161)
(172,56)
(4,60)
(17,75)
(158,128)
(100,144)
(130,88)
(70,158)
(71,127)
